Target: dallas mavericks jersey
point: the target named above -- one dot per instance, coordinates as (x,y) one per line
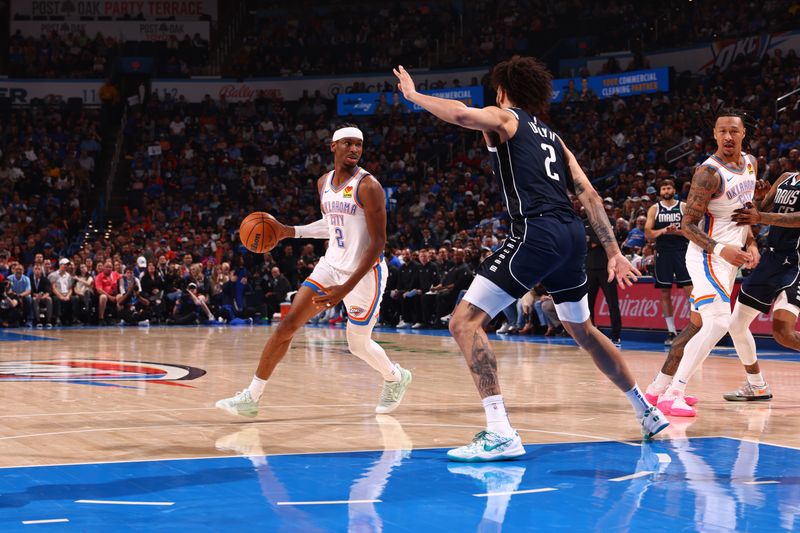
(736,189)
(787,200)
(347,224)
(664,217)
(533,170)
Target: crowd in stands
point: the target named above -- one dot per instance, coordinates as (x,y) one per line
(373,37)
(196,169)
(81,56)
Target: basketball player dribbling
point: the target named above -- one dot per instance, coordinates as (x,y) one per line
(725,182)
(353,270)
(547,244)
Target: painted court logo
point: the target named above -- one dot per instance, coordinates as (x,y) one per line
(96,371)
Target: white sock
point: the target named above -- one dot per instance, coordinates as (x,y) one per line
(671,324)
(661,382)
(756,380)
(256,387)
(496,415)
(637,400)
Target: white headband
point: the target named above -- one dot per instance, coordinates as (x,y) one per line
(343,133)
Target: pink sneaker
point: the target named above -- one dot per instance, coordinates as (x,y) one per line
(679,407)
(665,406)
(690,400)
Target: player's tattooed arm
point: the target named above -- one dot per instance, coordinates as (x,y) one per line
(619,267)
(705,182)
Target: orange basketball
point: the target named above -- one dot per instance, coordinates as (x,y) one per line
(259,232)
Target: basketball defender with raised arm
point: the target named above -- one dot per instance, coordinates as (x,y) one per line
(547,244)
(353,270)
(724,182)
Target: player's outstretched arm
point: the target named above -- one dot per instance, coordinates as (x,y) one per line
(618,265)
(487,119)
(706,182)
(316,230)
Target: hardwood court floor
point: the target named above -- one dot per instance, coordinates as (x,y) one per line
(321,398)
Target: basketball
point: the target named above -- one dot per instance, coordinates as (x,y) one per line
(259,232)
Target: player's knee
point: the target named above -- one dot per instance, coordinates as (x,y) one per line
(461,324)
(356,339)
(783,335)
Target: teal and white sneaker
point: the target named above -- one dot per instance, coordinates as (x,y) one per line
(488,446)
(393,392)
(242,404)
(653,422)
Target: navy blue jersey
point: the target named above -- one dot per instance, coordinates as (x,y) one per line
(533,171)
(664,217)
(787,200)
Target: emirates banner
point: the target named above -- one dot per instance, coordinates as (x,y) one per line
(148,9)
(640,308)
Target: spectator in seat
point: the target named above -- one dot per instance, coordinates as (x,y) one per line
(448,292)
(106,284)
(133,306)
(276,287)
(406,292)
(83,288)
(21,286)
(65,302)
(42,302)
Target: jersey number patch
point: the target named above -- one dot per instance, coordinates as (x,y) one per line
(339,238)
(551,158)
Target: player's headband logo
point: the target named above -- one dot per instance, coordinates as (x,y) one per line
(349,132)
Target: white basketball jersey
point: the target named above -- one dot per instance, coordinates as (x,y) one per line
(735,191)
(347,224)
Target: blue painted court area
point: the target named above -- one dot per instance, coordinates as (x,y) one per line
(709,484)
(14,336)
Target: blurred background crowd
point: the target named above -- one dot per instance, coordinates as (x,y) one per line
(191,171)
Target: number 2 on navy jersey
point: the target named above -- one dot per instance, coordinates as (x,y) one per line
(551,158)
(339,238)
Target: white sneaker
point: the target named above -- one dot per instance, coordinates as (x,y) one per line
(144,323)
(242,404)
(503,329)
(418,325)
(446,318)
(393,392)
(653,422)
(488,446)
(403,325)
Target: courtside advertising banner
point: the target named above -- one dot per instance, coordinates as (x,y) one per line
(369,103)
(148,9)
(624,84)
(640,308)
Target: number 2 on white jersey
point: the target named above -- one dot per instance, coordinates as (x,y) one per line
(339,238)
(551,158)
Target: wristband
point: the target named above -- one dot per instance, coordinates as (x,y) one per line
(718,249)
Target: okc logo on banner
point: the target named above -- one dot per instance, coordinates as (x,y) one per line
(95,371)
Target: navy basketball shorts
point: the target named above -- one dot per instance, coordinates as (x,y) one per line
(671,268)
(551,250)
(775,278)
